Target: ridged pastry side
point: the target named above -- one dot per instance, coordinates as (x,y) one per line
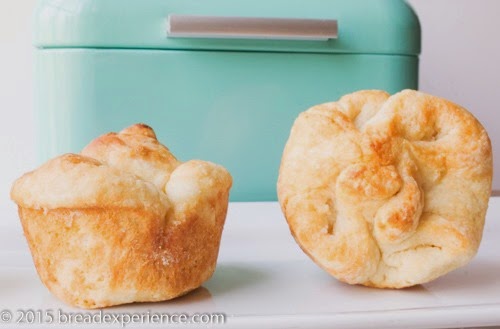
(136,225)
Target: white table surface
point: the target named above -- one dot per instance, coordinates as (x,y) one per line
(263,280)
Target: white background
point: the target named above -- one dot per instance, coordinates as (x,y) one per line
(460,61)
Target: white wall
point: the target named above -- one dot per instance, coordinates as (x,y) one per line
(460,61)
(16,133)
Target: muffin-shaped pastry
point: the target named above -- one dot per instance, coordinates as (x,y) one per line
(387,191)
(124,221)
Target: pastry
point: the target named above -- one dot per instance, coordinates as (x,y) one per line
(387,191)
(124,221)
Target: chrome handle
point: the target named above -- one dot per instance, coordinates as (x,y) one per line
(190,26)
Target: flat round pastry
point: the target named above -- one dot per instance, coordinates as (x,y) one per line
(124,221)
(387,191)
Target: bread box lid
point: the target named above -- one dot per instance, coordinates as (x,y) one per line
(320,26)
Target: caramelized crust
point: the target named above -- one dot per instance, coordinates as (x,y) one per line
(125,222)
(387,191)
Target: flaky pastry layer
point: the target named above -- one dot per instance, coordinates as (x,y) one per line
(387,191)
(124,221)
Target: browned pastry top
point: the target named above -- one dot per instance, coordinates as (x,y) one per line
(387,191)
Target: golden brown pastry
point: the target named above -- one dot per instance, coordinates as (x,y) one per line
(123,222)
(387,191)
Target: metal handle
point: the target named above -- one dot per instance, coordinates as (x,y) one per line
(189,26)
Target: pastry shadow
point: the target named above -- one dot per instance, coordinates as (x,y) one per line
(227,278)
(360,289)
(232,277)
(479,274)
(199,296)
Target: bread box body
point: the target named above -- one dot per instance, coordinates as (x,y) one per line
(229,96)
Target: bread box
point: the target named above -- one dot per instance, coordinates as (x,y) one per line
(221,80)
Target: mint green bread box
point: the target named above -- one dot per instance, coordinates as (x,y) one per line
(219,80)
